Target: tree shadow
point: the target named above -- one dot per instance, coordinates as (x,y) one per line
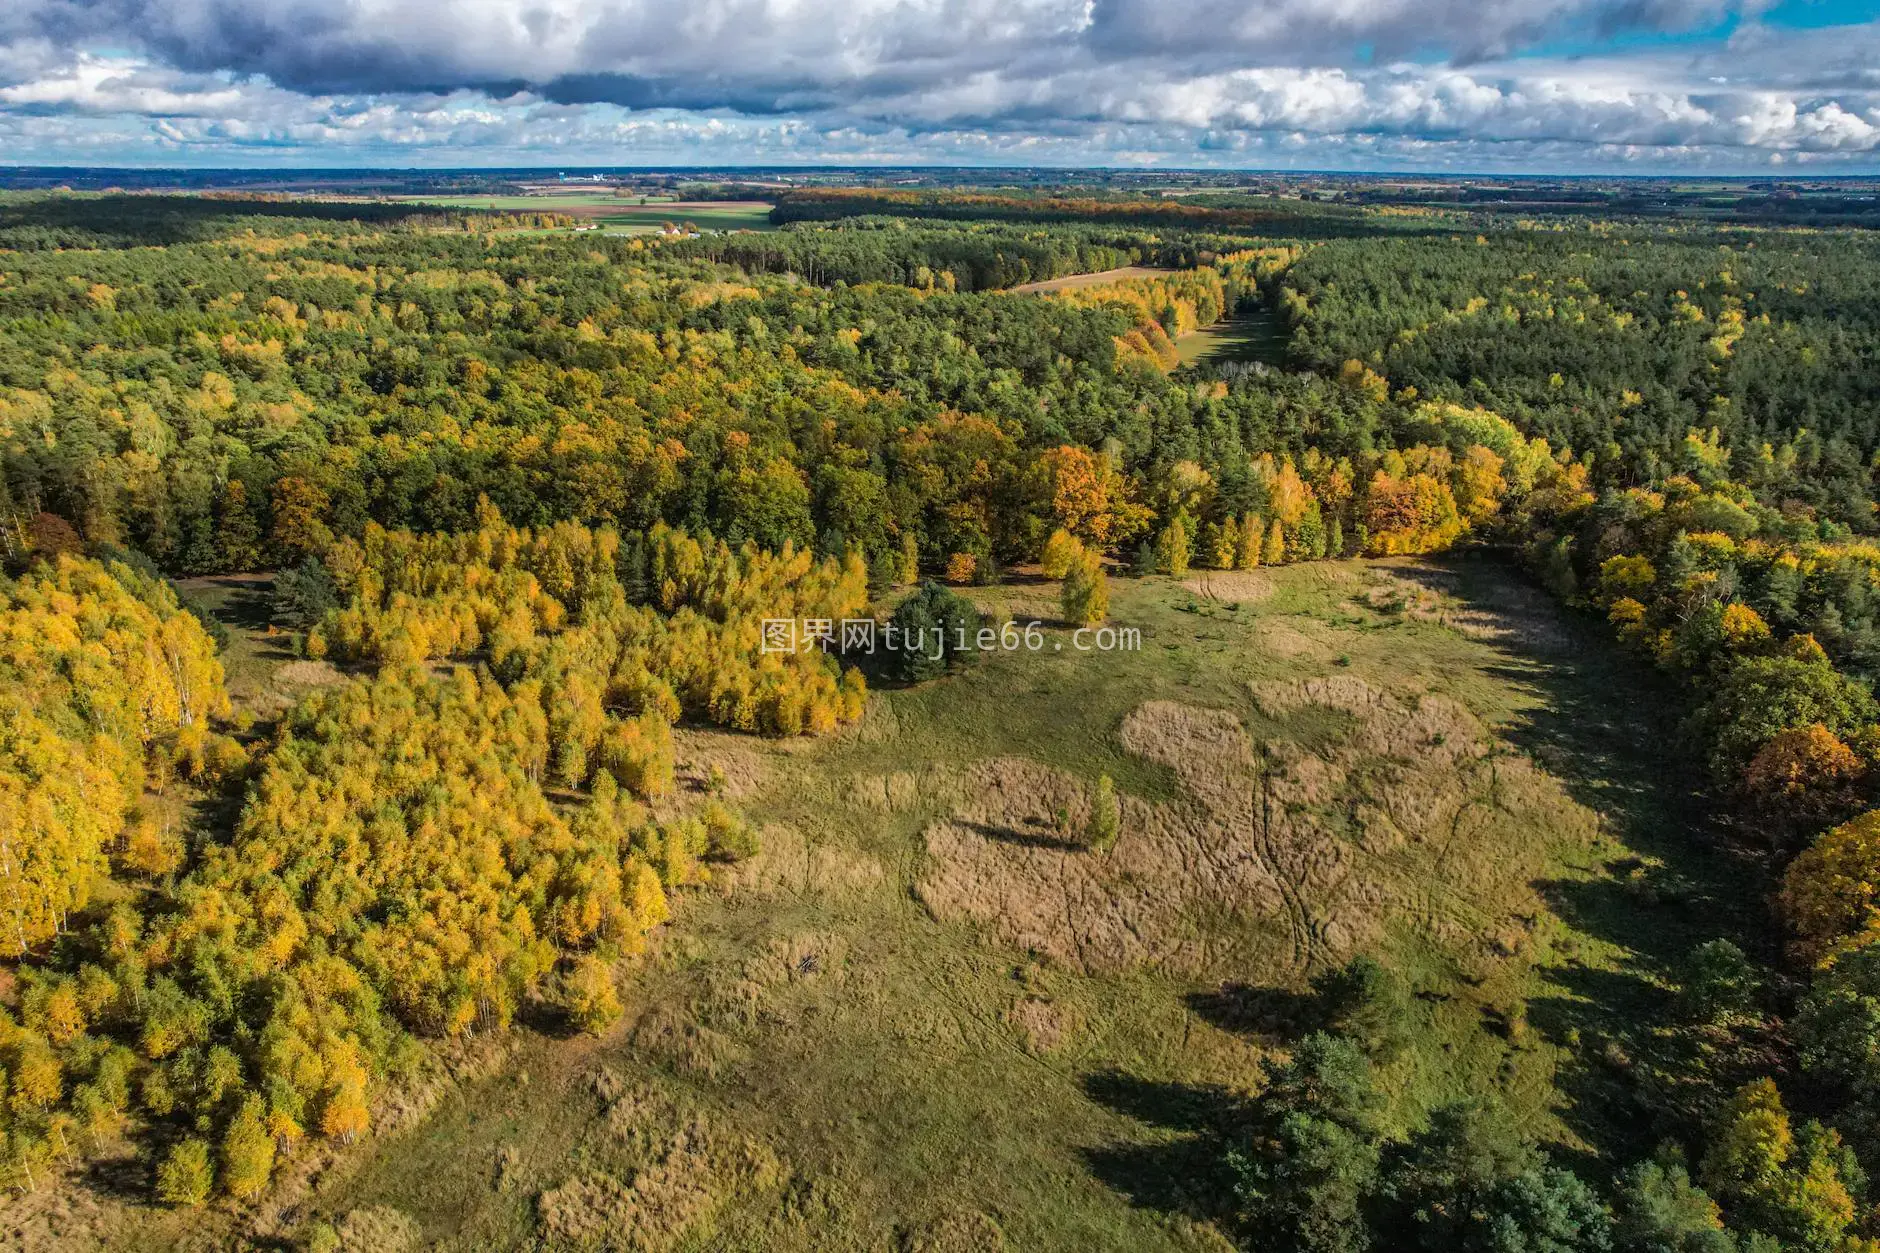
(1182,1170)
(1608,729)
(1047,838)
(1271,1014)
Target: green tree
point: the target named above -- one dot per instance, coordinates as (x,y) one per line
(1837,1031)
(1085,596)
(247,1150)
(1470,1183)
(1306,1167)
(1718,984)
(1659,1209)
(1757,698)
(931,631)
(1366,1002)
(185,1176)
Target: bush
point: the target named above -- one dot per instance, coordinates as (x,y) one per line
(727,836)
(586,994)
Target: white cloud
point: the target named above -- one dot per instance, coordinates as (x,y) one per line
(1039,81)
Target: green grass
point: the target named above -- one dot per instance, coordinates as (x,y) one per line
(615,213)
(850,1068)
(643,219)
(1248,337)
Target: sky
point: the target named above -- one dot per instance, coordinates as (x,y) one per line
(1532,86)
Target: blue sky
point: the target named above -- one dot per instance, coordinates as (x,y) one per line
(1645,86)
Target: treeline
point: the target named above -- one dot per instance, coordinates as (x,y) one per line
(827,203)
(42,221)
(969,257)
(233,405)
(1618,345)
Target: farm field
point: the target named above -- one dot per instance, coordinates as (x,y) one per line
(1419,760)
(620,213)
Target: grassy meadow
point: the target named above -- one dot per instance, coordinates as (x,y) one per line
(619,214)
(926,1017)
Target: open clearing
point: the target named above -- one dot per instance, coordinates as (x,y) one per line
(1072,281)
(1248,336)
(925,1017)
(620,212)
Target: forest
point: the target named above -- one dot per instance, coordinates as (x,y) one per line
(527,496)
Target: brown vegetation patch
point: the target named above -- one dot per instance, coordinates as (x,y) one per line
(667,1033)
(957,1233)
(1283,857)
(379,1229)
(306,675)
(670,1196)
(740,768)
(899,791)
(761,989)
(1071,282)
(1282,639)
(789,863)
(1238,586)
(1043,1025)
(1427,593)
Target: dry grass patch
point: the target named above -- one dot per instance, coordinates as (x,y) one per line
(684,1169)
(1044,1026)
(789,863)
(1269,860)
(1239,586)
